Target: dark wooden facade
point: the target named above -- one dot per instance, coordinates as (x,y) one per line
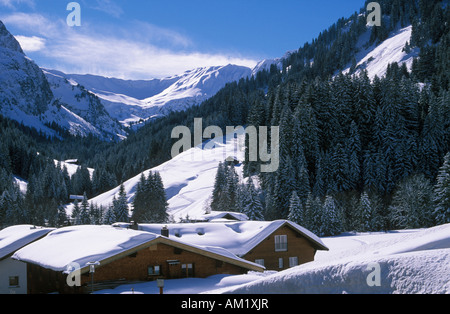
(160,260)
(298,248)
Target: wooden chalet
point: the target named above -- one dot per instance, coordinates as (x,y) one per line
(124,256)
(276,245)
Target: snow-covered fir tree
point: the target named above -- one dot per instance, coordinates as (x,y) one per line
(76,212)
(313,214)
(442,193)
(331,218)
(120,206)
(365,213)
(296,210)
(253,207)
(85,218)
(150,201)
(109,217)
(412,204)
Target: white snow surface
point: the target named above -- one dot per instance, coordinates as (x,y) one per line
(410,261)
(188,178)
(71,167)
(376,58)
(83,244)
(13,238)
(237,237)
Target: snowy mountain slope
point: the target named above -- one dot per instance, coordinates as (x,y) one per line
(136,101)
(376,58)
(85,104)
(196,86)
(188,178)
(26,95)
(410,261)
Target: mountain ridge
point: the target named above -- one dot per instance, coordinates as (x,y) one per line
(133,102)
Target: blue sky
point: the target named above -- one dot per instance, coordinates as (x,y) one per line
(138,39)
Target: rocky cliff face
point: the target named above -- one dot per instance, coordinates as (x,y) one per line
(22,83)
(26,96)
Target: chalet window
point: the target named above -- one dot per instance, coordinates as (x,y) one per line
(154,270)
(280,263)
(14,281)
(188,270)
(293,261)
(281,243)
(259,262)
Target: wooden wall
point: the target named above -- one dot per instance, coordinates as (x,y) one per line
(133,268)
(298,246)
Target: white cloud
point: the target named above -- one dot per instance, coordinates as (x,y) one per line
(108,6)
(139,51)
(31,44)
(12,3)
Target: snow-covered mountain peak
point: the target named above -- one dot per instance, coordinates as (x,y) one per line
(132,102)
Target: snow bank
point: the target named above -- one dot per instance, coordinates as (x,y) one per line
(411,262)
(185,286)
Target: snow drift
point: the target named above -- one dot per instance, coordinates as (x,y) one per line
(410,262)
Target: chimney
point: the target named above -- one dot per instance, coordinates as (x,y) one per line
(134,226)
(165,232)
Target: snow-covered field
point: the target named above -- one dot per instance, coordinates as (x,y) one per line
(188,178)
(408,261)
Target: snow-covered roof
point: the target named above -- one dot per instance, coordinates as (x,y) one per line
(16,237)
(81,245)
(237,237)
(214,216)
(84,244)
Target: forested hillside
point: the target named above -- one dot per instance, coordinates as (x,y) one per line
(356,154)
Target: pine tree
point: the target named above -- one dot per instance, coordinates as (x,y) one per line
(95,214)
(353,150)
(253,209)
(109,218)
(231,194)
(365,213)
(84,211)
(412,204)
(76,212)
(331,220)
(282,190)
(296,210)
(121,206)
(160,200)
(442,193)
(313,214)
(141,204)
(62,218)
(220,183)
(340,180)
